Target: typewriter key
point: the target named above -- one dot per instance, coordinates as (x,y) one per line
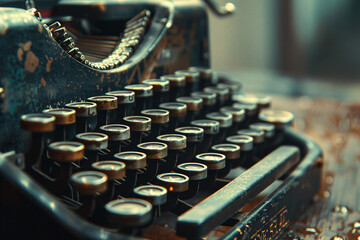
(246,148)
(106,107)
(178,113)
(209,101)
(38,124)
(258,135)
(86,115)
(133,160)
(128,215)
(156,195)
(125,100)
(90,185)
(263,101)
(211,129)
(268,128)
(143,96)
(64,153)
(192,80)
(238,115)
(194,138)
(214,162)
(222,95)
(89,182)
(175,183)
(251,111)
(281,119)
(116,133)
(65,119)
(225,120)
(115,171)
(196,172)
(233,87)
(138,126)
(94,142)
(206,75)
(194,105)
(159,121)
(161,88)
(155,152)
(175,143)
(232,153)
(177,85)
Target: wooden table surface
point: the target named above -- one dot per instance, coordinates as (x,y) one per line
(335,125)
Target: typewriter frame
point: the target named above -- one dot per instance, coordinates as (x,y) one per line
(267,221)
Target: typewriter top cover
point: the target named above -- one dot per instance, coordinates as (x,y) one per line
(114,126)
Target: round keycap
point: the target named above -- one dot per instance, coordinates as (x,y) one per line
(192,103)
(224,119)
(66,151)
(176,109)
(221,93)
(250,108)
(129,212)
(63,116)
(193,134)
(231,151)
(238,114)
(83,109)
(157,116)
(281,119)
(123,96)
(245,142)
(89,182)
(263,101)
(233,87)
(195,171)
(205,73)
(190,76)
(93,140)
(159,85)
(268,128)
(244,98)
(138,123)
(38,122)
(132,160)
(173,182)
(141,90)
(173,141)
(156,195)
(104,102)
(175,80)
(153,150)
(116,132)
(209,126)
(213,161)
(258,135)
(209,99)
(113,169)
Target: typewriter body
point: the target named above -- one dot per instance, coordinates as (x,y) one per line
(81,49)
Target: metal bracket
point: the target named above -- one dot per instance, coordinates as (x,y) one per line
(218,9)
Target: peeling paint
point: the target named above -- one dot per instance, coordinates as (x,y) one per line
(102,78)
(43,82)
(48,63)
(31,62)
(40,28)
(26,46)
(20,54)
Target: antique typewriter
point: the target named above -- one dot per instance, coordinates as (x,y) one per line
(113,126)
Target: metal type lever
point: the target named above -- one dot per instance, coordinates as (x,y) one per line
(218,9)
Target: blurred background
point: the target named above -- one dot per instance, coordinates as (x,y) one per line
(308,40)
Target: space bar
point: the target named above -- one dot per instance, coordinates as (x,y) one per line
(221,205)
